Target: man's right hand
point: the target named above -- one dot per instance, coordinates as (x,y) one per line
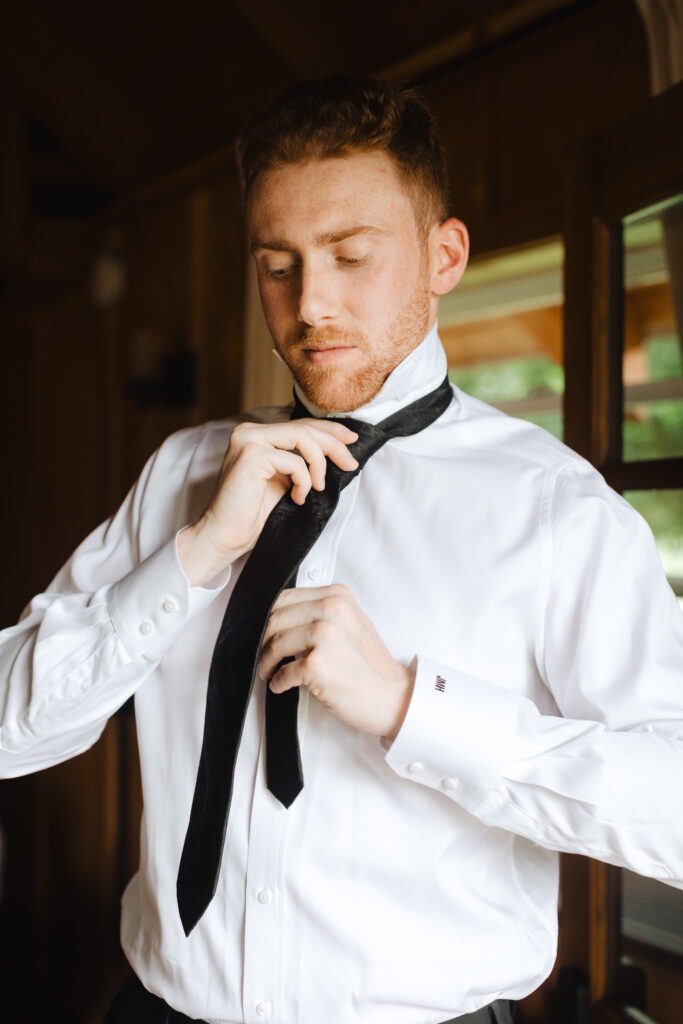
(260,465)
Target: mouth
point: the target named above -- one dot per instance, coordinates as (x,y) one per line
(327,353)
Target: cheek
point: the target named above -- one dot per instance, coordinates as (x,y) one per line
(377,292)
(276,301)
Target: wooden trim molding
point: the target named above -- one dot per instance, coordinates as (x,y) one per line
(654,474)
(604,906)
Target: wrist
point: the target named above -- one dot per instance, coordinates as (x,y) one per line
(200,559)
(404,695)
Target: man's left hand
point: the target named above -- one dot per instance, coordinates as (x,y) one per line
(339,657)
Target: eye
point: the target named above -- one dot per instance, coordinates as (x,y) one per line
(352,261)
(279,272)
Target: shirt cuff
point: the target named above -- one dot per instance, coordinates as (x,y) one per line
(155,599)
(456,733)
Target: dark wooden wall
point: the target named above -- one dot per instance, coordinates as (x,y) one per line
(510,116)
(84,403)
(86,397)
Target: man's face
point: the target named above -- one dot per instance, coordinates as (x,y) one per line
(343,273)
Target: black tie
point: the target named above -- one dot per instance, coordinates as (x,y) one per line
(288,535)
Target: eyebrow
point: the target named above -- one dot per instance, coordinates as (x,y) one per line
(325,238)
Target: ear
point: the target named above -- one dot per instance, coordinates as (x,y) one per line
(449,248)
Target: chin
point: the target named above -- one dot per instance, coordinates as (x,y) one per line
(335,395)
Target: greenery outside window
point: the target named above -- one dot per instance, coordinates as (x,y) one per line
(502,331)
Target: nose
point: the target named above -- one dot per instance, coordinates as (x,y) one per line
(317,299)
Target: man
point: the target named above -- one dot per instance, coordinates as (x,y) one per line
(486,652)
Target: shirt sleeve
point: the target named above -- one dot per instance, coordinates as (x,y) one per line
(83,647)
(603,776)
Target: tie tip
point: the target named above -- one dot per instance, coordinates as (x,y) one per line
(188,921)
(285,794)
(190,910)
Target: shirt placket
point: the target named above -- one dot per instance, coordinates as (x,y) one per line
(264,904)
(268,993)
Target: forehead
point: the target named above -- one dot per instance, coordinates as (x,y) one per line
(322,195)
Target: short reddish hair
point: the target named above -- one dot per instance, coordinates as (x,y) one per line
(338,115)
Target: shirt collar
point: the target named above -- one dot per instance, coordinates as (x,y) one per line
(420,372)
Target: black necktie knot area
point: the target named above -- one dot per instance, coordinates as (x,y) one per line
(288,535)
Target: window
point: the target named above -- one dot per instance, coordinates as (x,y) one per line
(502,331)
(653,332)
(624,412)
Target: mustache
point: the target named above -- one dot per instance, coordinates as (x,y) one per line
(318,337)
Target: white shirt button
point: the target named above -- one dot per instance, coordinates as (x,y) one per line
(265,896)
(415,767)
(313,572)
(449,784)
(146,628)
(170,605)
(263,1009)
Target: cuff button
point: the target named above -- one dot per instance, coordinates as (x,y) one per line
(415,767)
(170,605)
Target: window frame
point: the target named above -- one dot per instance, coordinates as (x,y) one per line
(629,166)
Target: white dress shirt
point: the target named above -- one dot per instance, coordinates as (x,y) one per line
(410,884)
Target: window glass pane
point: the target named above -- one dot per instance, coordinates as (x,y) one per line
(663,510)
(653,332)
(651,912)
(502,331)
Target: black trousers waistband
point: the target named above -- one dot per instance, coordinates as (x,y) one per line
(135,1005)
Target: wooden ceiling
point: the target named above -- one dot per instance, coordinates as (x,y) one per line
(114,96)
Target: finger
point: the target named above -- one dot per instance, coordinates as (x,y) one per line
(328,606)
(331,438)
(289,643)
(333,427)
(289,676)
(295,595)
(291,616)
(269,433)
(292,465)
(311,438)
(310,450)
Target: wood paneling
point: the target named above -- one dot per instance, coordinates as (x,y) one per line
(75,435)
(510,116)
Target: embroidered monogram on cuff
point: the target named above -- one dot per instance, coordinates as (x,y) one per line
(455,732)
